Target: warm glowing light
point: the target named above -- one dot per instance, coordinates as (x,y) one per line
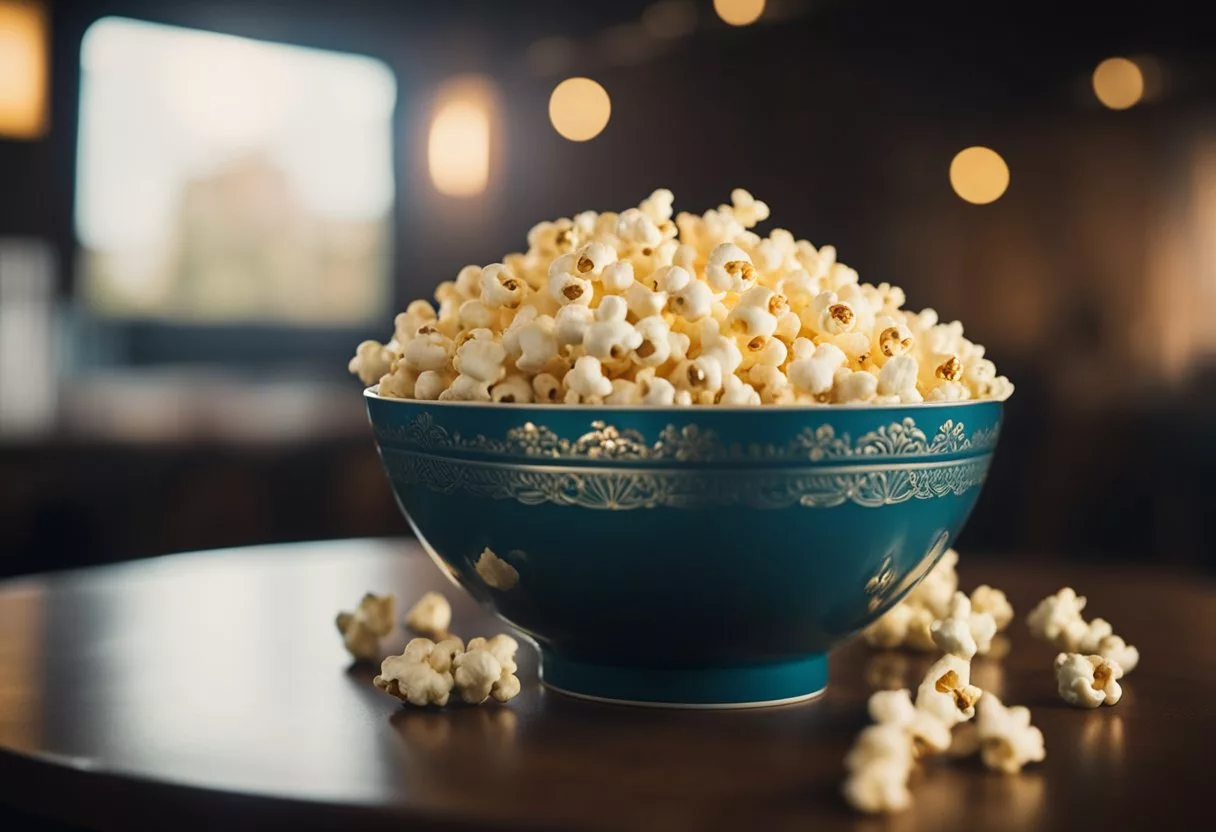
(1118,83)
(458,147)
(739,12)
(979,175)
(579,109)
(23,69)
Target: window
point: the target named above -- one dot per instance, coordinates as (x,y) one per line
(225,180)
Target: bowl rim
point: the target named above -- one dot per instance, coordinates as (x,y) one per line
(372,392)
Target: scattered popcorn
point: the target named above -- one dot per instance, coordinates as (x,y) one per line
(721,315)
(431,615)
(1088,681)
(946,691)
(1118,651)
(908,624)
(426,673)
(880,787)
(1007,740)
(496,572)
(879,763)
(362,629)
(964,632)
(992,601)
(929,734)
(936,590)
(1057,620)
(411,678)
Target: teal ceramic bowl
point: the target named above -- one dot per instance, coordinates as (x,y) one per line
(697,557)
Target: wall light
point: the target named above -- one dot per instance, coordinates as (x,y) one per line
(459,142)
(739,12)
(979,175)
(23,69)
(579,109)
(1118,83)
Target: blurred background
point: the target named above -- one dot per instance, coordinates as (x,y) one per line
(205,204)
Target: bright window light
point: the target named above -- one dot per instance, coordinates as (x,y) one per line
(221,178)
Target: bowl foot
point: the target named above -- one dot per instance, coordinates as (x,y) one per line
(744,686)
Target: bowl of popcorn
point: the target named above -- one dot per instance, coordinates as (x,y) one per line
(686,459)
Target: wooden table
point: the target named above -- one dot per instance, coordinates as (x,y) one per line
(210,690)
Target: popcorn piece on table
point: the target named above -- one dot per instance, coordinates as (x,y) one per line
(879,765)
(992,601)
(1007,739)
(1088,681)
(1057,620)
(946,691)
(412,679)
(904,625)
(908,623)
(431,615)
(362,629)
(964,632)
(929,734)
(487,669)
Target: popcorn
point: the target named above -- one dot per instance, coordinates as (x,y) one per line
(644,302)
(1057,620)
(513,388)
(946,692)
(372,360)
(426,673)
(362,629)
(1007,740)
(850,387)
(500,288)
(431,615)
(412,679)
(428,350)
(611,336)
(586,383)
(638,289)
(929,734)
(1118,651)
(879,763)
(571,324)
(430,385)
(477,674)
(730,269)
(992,601)
(736,392)
(964,632)
(1088,681)
(880,787)
(617,277)
(815,372)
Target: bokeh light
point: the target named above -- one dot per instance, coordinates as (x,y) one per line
(979,175)
(579,109)
(23,69)
(458,145)
(739,12)
(1118,83)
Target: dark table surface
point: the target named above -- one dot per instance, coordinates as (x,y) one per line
(210,690)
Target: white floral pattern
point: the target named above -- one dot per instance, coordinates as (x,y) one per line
(617,489)
(691,443)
